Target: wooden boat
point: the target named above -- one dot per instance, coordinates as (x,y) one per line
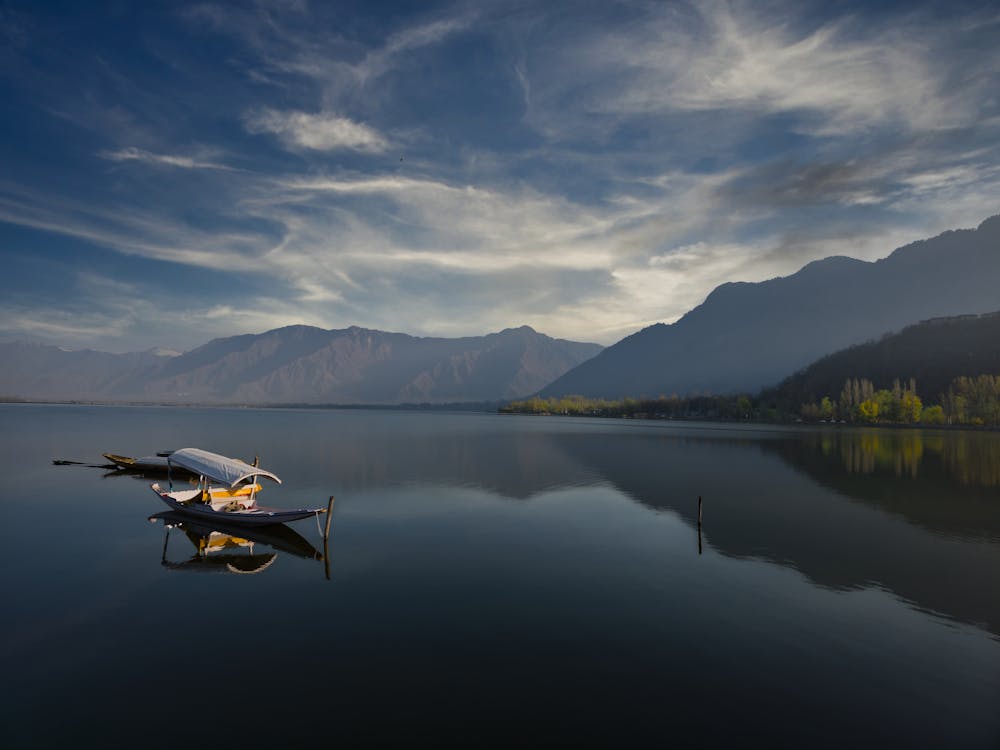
(233,497)
(155,464)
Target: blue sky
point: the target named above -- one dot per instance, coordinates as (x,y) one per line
(176,172)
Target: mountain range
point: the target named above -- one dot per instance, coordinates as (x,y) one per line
(302,365)
(746,336)
(742,338)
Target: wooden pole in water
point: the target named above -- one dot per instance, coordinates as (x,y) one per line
(326,538)
(329,517)
(699,524)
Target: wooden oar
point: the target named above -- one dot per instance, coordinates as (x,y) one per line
(64,462)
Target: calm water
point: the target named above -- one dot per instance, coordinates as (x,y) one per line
(512,578)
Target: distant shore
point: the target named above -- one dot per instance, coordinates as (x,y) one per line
(494,407)
(489,407)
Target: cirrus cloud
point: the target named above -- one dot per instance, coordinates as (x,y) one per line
(323,131)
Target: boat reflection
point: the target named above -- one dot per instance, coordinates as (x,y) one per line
(223,548)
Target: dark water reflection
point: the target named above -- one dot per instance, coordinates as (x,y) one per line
(946,482)
(508,578)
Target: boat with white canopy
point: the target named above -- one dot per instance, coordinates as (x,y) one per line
(227,489)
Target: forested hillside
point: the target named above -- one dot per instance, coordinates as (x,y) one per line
(932,353)
(942,371)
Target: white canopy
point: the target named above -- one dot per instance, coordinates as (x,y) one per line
(229,471)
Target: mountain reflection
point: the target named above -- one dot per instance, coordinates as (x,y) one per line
(943,482)
(792,499)
(513,465)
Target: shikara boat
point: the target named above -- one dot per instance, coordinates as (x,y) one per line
(227,489)
(150,464)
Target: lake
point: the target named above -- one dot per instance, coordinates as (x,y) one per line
(504,578)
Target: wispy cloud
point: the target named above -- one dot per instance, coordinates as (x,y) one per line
(851,78)
(318,132)
(381,59)
(840,76)
(63,326)
(183,162)
(131,231)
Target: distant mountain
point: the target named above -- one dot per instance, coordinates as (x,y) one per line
(747,336)
(50,372)
(934,352)
(302,364)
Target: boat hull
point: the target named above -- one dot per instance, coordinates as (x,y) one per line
(256,516)
(147,464)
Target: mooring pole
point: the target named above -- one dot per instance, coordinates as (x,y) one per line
(699,524)
(326,538)
(329,517)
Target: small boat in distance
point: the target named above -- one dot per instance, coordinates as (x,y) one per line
(234,498)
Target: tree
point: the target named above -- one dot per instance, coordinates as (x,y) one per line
(744,406)
(910,407)
(868,411)
(932,415)
(826,408)
(809,412)
(886,406)
(846,403)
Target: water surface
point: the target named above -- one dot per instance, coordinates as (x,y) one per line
(513,578)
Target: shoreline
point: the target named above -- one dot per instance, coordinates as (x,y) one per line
(493,408)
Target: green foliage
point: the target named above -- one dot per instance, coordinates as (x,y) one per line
(745,407)
(967,401)
(868,411)
(887,411)
(910,408)
(731,408)
(933,415)
(826,409)
(974,400)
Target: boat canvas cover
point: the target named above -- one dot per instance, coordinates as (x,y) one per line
(229,471)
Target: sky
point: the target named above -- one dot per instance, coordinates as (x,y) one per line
(176,172)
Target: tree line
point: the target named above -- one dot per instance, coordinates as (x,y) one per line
(707,406)
(968,400)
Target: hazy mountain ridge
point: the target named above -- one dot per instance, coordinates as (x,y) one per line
(50,372)
(746,336)
(302,364)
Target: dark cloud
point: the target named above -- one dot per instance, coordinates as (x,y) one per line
(786,184)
